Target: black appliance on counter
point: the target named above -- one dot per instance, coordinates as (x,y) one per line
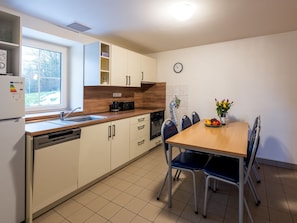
(121,106)
(157,119)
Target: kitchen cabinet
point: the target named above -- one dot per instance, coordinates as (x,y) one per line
(10,39)
(119,142)
(125,67)
(103,147)
(139,135)
(97,64)
(94,156)
(148,69)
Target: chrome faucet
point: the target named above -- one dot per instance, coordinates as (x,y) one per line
(63,116)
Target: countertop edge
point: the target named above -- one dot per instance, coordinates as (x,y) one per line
(35,129)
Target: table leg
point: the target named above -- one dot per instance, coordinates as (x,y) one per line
(169,175)
(241,191)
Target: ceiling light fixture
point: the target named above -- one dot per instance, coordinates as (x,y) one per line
(182,10)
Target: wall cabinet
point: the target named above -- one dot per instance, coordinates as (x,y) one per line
(97,64)
(94,156)
(10,39)
(148,69)
(125,67)
(139,135)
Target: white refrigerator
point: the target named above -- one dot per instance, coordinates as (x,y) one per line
(12,149)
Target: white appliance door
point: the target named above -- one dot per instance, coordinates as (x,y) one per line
(12,97)
(12,170)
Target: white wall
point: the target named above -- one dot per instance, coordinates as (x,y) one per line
(258,74)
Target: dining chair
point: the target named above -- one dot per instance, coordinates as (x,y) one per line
(195,117)
(191,162)
(185,122)
(226,169)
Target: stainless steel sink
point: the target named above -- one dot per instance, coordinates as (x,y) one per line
(77,119)
(85,118)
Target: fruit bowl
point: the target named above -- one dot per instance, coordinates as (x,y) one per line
(213,123)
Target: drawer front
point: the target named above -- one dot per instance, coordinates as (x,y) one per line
(139,130)
(139,146)
(140,119)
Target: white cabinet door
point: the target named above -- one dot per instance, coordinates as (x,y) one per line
(148,69)
(125,67)
(119,143)
(94,157)
(133,69)
(118,66)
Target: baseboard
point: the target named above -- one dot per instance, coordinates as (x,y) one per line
(277,163)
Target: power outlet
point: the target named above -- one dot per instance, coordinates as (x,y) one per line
(116,95)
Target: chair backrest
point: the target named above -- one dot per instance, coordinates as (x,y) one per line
(252,149)
(185,122)
(195,117)
(168,129)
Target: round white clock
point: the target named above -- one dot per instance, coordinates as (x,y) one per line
(178,67)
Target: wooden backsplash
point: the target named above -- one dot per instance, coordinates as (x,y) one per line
(98,98)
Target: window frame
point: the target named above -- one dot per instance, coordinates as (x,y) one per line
(64,50)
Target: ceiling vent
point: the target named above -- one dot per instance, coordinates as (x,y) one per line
(78,27)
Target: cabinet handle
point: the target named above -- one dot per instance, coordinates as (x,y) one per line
(113,130)
(141,142)
(141,127)
(129,80)
(109,132)
(140,119)
(142,75)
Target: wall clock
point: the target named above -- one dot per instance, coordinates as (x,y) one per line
(178,67)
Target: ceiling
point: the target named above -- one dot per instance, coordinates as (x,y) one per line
(146,26)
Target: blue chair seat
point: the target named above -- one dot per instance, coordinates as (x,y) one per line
(229,172)
(193,161)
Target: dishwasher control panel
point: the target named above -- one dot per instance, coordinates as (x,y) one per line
(56,138)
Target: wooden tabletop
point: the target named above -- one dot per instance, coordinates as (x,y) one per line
(230,140)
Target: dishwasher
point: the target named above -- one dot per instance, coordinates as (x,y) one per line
(55,166)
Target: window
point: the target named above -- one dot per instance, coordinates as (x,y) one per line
(44,68)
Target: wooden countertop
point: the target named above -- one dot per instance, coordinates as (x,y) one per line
(43,127)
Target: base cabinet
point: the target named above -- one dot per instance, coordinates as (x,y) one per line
(103,148)
(94,157)
(119,143)
(139,135)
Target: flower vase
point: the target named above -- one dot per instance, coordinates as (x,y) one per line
(223,118)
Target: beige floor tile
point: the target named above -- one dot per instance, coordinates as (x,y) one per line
(166,217)
(134,190)
(85,197)
(81,215)
(122,199)
(97,204)
(122,216)
(99,188)
(109,210)
(68,208)
(136,205)
(139,219)
(150,212)
(95,218)
(49,217)
(111,194)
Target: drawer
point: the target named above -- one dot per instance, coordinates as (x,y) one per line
(139,119)
(139,129)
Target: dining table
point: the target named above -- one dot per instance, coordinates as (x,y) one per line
(225,140)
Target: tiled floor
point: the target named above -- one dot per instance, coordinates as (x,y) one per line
(129,195)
